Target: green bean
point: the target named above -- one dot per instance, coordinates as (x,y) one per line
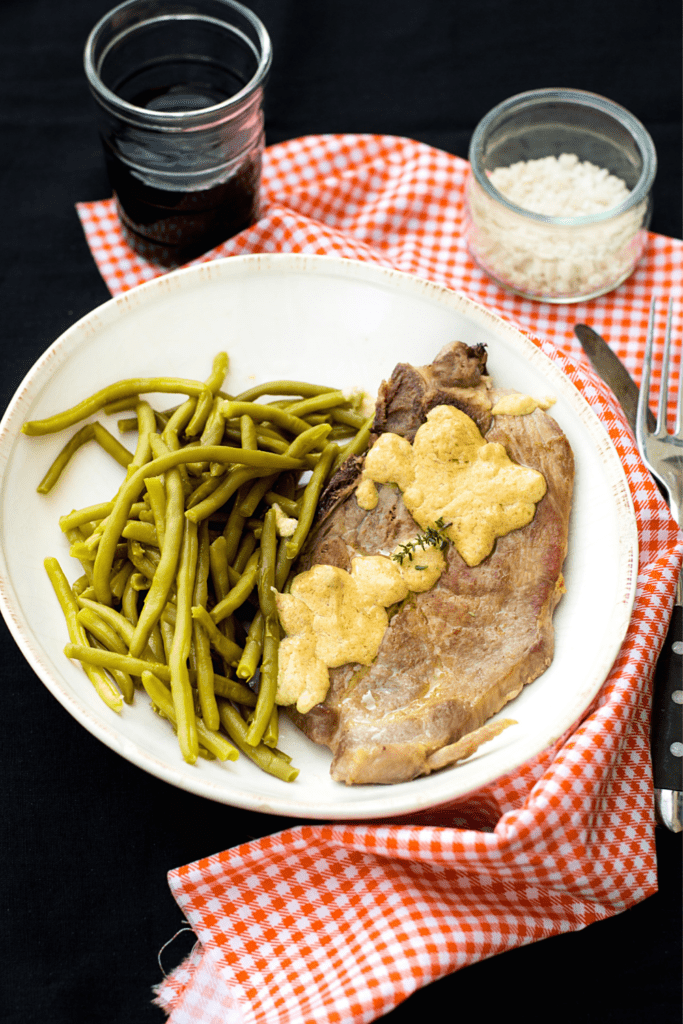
(270,736)
(253,648)
(53,474)
(122,679)
(200,415)
(279,446)
(85,515)
(120,579)
(340,432)
(122,389)
(202,645)
(140,557)
(155,645)
(348,418)
(121,405)
(177,422)
(132,487)
(219,370)
(169,435)
(229,651)
(109,443)
(138,581)
(244,553)
(248,434)
(267,413)
(265,701)
(156,492)
(166,630)
(268,760)
(110,659)
(206,401)
(80,586)
(314,437)
(317,403)
(219,568)
(215,424)
(146,422)
(91,431)
(99,629)
(357,444)
(235,524)
(289,507)
(254,526)
(117,620)
(128,424)
(309,501)
(204,489)
(145,533)
(180,649)
(226,488)
(266,577)
(272,733)
(282,387)
(166,570)
(69,605)
(256,492)
(239,593)
(233,690)
(82,552)
(74,536)
(214,741)
(283,564)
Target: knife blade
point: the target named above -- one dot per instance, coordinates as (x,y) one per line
(610,368)
(666,725)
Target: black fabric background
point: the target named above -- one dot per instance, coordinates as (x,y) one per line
(86,837)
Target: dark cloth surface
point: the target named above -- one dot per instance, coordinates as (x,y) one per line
(86,837)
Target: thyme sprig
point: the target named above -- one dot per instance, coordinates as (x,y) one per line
(433,537)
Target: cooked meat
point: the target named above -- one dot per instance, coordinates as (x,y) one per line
(455,655)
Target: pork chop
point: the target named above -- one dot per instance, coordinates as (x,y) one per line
(454,655)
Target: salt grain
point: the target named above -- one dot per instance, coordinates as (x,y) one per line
(551,260)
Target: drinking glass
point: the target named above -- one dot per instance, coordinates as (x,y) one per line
(178,88)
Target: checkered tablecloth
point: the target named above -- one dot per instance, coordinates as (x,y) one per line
(340,922)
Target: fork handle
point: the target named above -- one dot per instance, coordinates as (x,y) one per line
(667,717)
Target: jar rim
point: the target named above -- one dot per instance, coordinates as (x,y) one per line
(578,98)
(172,119)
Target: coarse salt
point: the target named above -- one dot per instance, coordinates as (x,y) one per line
(555,260)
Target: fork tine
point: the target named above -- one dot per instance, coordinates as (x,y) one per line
(678,426)
(664,387)
(644,394)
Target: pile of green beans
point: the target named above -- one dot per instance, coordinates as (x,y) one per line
(182,565)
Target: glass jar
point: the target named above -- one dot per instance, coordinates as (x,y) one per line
(178,87)
(547,257)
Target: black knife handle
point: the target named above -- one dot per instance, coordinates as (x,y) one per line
(667,709)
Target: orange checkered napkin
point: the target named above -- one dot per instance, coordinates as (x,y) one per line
(340,922)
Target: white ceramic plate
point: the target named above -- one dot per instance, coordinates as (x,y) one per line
(336,322)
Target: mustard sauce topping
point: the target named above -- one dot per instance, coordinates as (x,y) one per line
(333,617)
(520,405)
(451,473)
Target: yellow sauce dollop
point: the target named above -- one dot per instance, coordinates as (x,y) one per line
(520,405)
(333,617)
(451,474)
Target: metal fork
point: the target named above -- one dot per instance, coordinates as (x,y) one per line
(662,453)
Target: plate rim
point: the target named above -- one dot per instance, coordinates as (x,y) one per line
(380,805)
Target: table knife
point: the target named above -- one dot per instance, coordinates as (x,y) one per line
(666,727)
